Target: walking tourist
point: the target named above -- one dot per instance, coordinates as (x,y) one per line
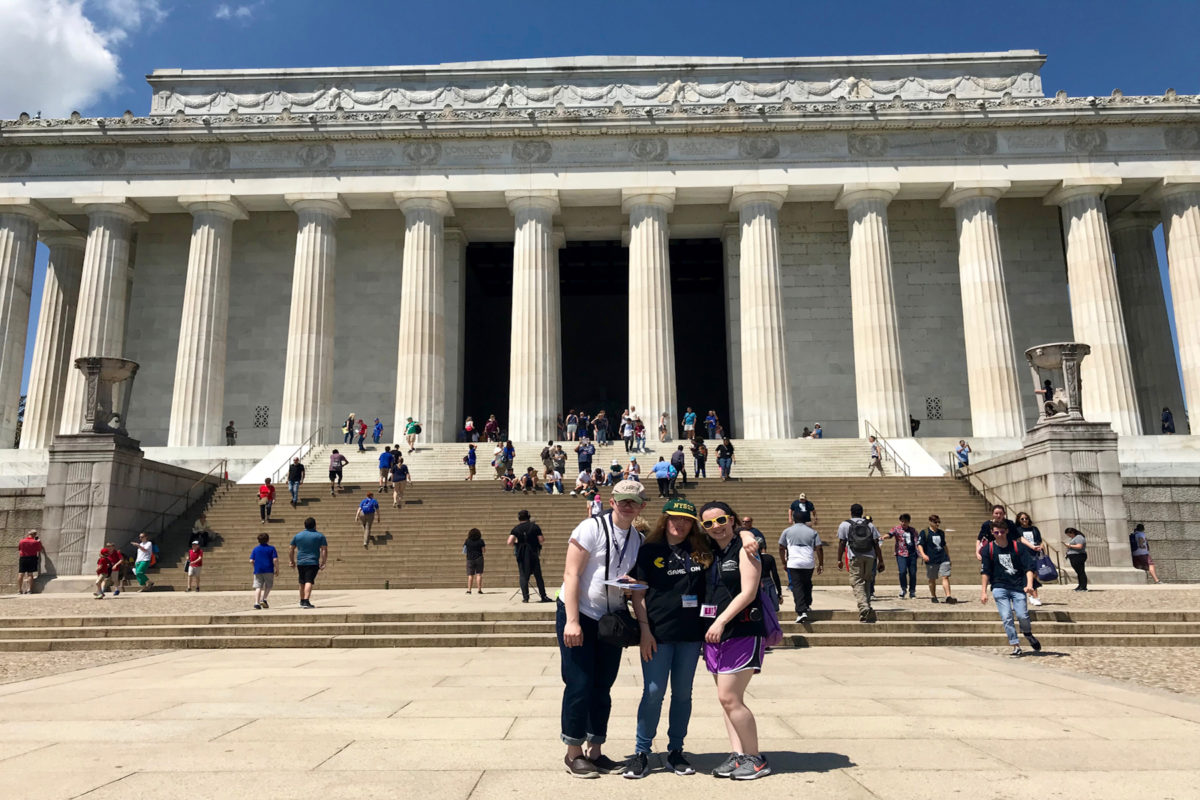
(858,542)
(679,462)
(365,516)
(999,515)
(725,458)
(770,569)
(201,531)
(662,474)
(1168,421)
(700,457)
(560,459)
(604,547)
(672,564)
(264,559)
(108,567)
(526,540)
(802,510)
(401,477)
(1077,557)
(377,431)
(386,460)
(689,424)
(639,435)
(308,554)
(627,432)
(230,434)
(266,499)
(876,458)
(295,479)
(348,429)
(664,427)
(802,552)
(143,562)
(29,559)
(905,536)
(498,463)
(1008,568)
(469,432)
(336,462)
(469,459)
(932,550)
(585,450)
(473,549)
(547,457)
(1030,536)
(195,561)
(600,425)
(1140,550)
(710,424)
(572,425)
(734,648)
(362,435)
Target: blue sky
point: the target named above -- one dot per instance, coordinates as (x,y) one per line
(95,53)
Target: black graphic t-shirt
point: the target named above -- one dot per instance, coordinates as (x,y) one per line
(672,575)
(1006,566)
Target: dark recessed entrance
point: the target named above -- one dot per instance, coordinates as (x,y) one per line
(595,328)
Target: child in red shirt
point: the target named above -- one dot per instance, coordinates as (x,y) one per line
(195,560)
(107,564)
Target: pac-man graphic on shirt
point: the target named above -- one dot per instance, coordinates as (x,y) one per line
(659,562)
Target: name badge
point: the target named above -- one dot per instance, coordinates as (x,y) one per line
(708,612)
(690,601)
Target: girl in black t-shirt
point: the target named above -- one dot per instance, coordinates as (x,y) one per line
(672,562)
(473,549)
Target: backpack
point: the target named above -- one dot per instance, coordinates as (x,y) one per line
(416,429)
(860,539)
(1133,543)
(703,451)
(546,454)
(154,555)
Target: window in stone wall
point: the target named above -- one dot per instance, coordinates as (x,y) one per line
(933,408)
(262,416)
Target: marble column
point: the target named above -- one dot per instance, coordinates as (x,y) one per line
(308,369)
(103,295)
(421,358)
(652,345)
(987,326)
(1180,201)
(455,255)
(52,347)
(1144,307)
(766,396)
(535,379)
(731,251)
(19,221)
(1108,394)
(198,400)
(878,372)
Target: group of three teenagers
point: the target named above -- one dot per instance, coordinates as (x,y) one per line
(698,578)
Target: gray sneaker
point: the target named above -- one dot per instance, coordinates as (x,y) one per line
(637,767)
(751,767)
(726,767)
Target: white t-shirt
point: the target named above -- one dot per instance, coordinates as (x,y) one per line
(801,542)
(554,476)
(595,599)
(1143,549)
(145,550)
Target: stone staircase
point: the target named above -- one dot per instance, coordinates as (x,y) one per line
(419,546)
(756,458)
(937,627)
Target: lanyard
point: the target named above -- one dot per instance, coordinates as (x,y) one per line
(715,572)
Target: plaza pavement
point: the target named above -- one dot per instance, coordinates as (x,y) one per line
(483,723)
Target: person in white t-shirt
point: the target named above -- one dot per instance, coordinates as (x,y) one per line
(145,556)
(801,548)
(601,548)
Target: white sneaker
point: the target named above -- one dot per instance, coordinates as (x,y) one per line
(1033,601)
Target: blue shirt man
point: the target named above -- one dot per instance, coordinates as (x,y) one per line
(308,544)
(369,505)
(377,432)
(386,459)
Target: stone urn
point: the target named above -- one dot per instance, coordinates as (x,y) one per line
(109,383)
(1063,403)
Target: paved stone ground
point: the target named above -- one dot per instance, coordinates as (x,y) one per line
(482,723)
(25,666)
(1173,669)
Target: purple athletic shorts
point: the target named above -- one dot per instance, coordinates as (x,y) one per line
(734,655)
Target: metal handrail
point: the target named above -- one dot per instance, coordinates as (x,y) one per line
(220,467)
(888,451)
(985,490)
(305,447)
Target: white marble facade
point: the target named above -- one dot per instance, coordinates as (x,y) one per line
(896,230)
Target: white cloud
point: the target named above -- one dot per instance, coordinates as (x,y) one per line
(53,58)
(242,13)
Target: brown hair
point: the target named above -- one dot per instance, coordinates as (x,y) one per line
(696,538)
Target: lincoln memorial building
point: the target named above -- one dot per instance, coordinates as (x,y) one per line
(858,242)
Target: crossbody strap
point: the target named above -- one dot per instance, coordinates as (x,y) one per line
(603,518)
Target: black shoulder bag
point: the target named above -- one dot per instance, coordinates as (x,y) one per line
(616,628)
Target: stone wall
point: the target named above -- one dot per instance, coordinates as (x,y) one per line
(20,510)
(815,254)
(1170,510)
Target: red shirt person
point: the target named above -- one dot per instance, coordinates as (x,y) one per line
(29,551)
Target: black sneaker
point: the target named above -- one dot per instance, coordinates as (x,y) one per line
(751,767)
(726,767)
(951,601)
(606,765)
(580,767)
(1034,643)
(933,599)
(637,767)
(264,604)
(1016,652)
(677,762)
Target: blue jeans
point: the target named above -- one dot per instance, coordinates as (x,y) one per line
(700,471)
(360,443)
(726,464)
(348,438)
(1010,603)
(676,661)
(907,567)
(589,672)
(550,487)
(294,488)
(601,436)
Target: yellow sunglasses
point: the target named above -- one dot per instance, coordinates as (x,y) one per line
(709,524)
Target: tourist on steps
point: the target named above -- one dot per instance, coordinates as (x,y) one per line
(474,548)
(377,431)
(932,550)
(145,556)
(365,516)
(348,429)
(195,560)
(265,560)
(308,554)
(858,543)
(295,478)
(1077,557)
(1031,537)
(905,546)
(469,459)
(29,558)
(336,462)
(266,499)
(726,459)
(411,429)
(362,435)
(1008,568)
(400,480)
(1139,549)
(526,540)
